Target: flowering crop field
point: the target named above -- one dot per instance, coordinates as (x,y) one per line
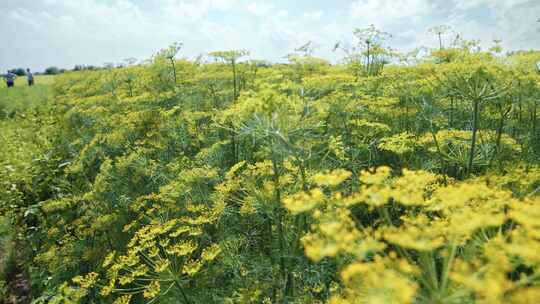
(240,181)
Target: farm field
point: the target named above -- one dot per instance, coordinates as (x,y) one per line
(23,97)
(241,181)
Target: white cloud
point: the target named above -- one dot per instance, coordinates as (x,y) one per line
(40,33)
(194,10)
(470,4)
(259,8)
(408,20)
(282,13)
(223,4)
(313,15)
(23,16)
(388,12)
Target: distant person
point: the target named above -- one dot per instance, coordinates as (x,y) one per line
(10,79)
(30,77)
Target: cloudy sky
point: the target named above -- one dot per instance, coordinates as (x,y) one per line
(41,33)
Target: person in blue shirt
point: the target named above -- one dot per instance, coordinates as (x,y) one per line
(10,79)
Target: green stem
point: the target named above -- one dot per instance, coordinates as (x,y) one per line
(476,108)
(448,261)
(179,286)
(233,63)
(401,251)
(277,196)
(174,71)
(388,220)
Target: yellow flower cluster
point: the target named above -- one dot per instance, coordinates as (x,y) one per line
(86,281)
(435,220)
(383,280)
(400,144)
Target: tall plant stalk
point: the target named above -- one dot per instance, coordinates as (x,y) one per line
(476,109)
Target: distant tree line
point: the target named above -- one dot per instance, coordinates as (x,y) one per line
(18,71)
(81,67)
(48,71)
(52,70)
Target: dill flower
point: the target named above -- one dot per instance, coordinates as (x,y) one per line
(333,178)
(180,230)
(378,177)
(335,144)
(126,279)
(427,239)
(161,265)
(182,248)
(375,282)
(401,143)
(126,299)
(192,267)
(210,253)
(411,188)
(302,202)
(109,259)
(86,281)
(152,290)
